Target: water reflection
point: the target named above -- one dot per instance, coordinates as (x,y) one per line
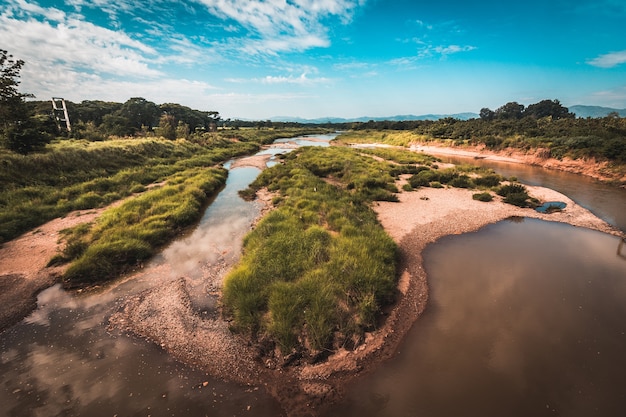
(525,319)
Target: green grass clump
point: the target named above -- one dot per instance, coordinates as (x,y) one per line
(517,195)
(318,269)
(129,234)
(484,196)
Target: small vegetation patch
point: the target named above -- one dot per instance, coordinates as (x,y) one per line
(485,196)
(517,195)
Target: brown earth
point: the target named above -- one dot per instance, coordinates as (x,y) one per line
(23,270)
(601,170)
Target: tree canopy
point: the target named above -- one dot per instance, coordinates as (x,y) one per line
(19,131)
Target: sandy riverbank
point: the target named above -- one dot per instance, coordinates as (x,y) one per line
(538,157)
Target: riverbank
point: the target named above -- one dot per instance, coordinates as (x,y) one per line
(538,157)
(24,271)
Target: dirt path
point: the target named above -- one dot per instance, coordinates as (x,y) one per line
(23,271)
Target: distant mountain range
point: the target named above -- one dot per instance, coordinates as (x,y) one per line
(397,118)
(578,110)
(595,111)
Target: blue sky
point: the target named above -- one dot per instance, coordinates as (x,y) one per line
(345,58)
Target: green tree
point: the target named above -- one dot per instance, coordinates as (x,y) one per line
(511,110)
(487,114)
(167,126)
(18,130)
(548,108)
(140,112)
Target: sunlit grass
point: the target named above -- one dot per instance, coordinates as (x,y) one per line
(75,175)
(125,236)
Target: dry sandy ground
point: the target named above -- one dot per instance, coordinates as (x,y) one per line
(23,271)
(166,315)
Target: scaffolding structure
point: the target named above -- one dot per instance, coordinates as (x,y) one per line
(59,110)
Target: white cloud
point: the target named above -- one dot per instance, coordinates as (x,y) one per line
(443,51)
(63,83)
(281,25)
(60,40)
(615,97)
(609,60)
(302,79)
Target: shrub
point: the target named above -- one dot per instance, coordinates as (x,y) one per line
(515,194)
(489,180)
(486,197)
(462,181)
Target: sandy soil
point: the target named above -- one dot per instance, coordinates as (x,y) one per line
(23,271)
(166,315)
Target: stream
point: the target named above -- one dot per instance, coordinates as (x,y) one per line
(525,318)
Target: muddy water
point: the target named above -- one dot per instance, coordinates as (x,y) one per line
(525,319)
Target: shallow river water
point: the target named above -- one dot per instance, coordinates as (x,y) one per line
(525,318)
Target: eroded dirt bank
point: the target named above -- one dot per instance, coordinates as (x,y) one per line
(538,157)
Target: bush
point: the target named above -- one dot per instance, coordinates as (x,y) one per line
(486,197)
(489,180)
(515,194)
(462,181)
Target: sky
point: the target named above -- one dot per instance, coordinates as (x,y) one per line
(258,60)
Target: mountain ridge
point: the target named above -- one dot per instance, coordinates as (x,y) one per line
(585,111)
(579,110)
(364,119)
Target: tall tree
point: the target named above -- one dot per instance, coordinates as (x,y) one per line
(548,108)
(487,114)
(511,110)
(140,112)
(18,131)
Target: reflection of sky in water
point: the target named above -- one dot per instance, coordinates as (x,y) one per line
(524,319)
(62,361)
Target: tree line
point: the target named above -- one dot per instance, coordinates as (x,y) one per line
(27,125)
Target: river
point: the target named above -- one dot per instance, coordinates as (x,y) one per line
(525,318)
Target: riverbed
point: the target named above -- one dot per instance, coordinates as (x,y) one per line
(65,359)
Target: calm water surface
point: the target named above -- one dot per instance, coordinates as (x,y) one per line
(525,319)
